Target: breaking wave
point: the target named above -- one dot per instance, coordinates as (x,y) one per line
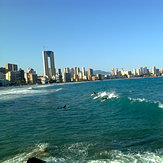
(104,95)
(158,103)
(14,93)
(78,152)
(40,151)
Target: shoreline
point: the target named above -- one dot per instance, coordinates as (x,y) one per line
(35,85)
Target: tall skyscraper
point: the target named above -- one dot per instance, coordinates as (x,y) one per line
(153,70)
(59,71)
(76,70)
(113,72)
(145,71)
(48,59)
(67,70)
(116,72)
(83,71)
(90,72)
(140,71)
(134,71)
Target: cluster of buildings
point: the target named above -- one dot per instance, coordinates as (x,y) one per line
(140,72)
(68,75)
(12,75)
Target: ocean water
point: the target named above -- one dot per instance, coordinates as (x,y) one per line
(121,123)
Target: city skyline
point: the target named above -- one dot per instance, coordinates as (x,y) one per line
(95,34)
(12,75)
(64,69)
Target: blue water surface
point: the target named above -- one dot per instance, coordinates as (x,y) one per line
(122,122)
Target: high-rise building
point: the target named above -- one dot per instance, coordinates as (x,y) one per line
(90,74)
(30,78)
(134,71)
(140,71)
(3,70)
(116,72)
(67,70)
(66,77)
(72,71)
(83,71)
(145,71)
(153,70)
(31,70)
(11,67)
(59,71)
(21,74)
(14,77)
(76,70)
(80,75)
(122,72)
(75,78)
(113,72)
(2,76)
(48,59)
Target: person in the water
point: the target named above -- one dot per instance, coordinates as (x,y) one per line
(104,98)
(63,107)
(94,93)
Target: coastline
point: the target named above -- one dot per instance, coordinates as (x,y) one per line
(50,84)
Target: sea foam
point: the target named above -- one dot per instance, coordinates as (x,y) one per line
(107,95)
(39,151)
(78,152)
(116,156)
(14,93)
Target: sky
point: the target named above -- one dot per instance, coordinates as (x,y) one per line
(98,34)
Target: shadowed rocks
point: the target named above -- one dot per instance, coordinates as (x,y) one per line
(35,160)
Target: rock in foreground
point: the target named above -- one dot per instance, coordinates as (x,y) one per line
(35,160)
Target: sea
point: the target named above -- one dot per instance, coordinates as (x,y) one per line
(110,121)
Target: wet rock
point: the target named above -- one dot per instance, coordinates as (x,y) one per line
(35,160)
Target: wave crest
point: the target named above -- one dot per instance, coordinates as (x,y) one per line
(39,151)
(105,95)
(14,93)
(158,103)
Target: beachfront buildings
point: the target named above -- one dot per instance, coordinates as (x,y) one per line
(11,67)
(30,76)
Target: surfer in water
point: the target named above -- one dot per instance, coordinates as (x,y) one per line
(104,99)
(94,93)
(63,107)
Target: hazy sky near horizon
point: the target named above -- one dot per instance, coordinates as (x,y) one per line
(100,34)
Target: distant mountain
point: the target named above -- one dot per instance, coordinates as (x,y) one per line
(100,72)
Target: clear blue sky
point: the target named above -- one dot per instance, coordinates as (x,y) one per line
(100,34)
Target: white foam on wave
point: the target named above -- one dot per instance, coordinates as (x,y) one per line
(44,86)
(138,99)
(158,103)
(107,95)
(78,152)
(116,156)
(39,151)
(25,91)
